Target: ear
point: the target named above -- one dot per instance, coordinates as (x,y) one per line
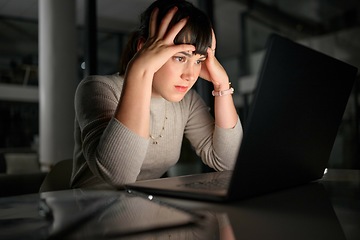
(140,43)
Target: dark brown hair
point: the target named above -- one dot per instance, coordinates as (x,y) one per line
(197,30)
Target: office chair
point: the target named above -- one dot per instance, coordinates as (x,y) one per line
(19,184)
(59,177)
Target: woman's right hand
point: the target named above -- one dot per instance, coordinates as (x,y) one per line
(159,47)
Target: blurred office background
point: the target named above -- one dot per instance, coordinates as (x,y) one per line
(48,46)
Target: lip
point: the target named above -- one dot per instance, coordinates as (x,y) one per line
(181,88)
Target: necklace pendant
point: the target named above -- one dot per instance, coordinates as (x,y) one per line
(153,136)
(154,141)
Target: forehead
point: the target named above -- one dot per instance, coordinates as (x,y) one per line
(200,39)
(193,54)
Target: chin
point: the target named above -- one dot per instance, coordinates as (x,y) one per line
(174,98)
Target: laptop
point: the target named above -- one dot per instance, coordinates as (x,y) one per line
(292,124)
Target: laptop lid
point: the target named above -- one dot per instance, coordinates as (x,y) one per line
(291,127)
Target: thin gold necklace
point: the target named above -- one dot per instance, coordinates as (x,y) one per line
(155,137)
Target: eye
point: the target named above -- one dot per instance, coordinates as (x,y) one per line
(179,58)
(199,62)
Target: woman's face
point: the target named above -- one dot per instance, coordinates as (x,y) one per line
(175,78)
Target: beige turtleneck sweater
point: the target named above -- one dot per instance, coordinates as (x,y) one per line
(107,154)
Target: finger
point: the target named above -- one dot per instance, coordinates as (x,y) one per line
(209,65)
(166,21)
(182,48)
(176,29)
(213,42)
(152,24)
(211,53)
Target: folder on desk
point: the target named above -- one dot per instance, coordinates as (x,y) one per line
(288,136)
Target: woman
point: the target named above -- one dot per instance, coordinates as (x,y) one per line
(129,126)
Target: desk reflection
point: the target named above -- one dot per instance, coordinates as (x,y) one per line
(303,212)
(79,214)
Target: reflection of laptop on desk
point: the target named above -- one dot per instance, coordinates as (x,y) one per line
(288,137)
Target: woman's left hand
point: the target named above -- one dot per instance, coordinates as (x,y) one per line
(212,70)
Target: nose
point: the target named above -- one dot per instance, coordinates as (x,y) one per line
(188,73)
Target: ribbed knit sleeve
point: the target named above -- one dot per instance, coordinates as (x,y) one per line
(226,144)
(119,155)
(217,147)
(111,151)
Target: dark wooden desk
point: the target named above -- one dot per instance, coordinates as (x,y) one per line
(328,209)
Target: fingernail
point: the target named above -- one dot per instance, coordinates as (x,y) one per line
(184,19)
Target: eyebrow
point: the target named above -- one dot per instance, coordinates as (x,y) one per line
(191,54)
(186,54)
